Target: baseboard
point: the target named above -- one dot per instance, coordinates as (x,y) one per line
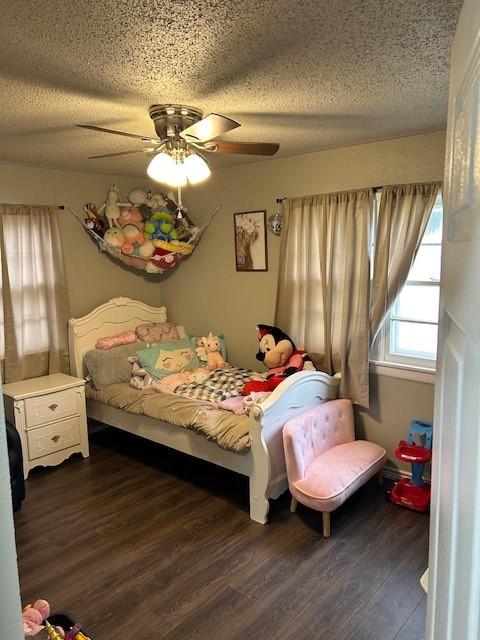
(394,473)
(424,581)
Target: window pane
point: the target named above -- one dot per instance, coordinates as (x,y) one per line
(427,264)
(433,232)
(418,302)
(412,339)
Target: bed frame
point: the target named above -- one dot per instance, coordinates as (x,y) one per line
(264,464)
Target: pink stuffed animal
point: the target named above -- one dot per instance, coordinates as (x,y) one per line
(215,360)
(130,216)
(33,616)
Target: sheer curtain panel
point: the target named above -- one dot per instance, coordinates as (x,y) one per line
(402,219)
(34,292)
(323,285)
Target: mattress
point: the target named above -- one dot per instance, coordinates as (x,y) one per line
(229,431)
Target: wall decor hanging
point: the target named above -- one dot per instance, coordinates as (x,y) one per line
(250,241)
(151,232)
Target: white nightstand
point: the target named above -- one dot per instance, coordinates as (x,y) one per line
(49,414)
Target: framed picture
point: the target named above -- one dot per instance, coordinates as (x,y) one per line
(250,241)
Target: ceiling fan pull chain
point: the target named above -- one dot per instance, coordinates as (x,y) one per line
(179,214)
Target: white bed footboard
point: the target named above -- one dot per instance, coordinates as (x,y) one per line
(264,464)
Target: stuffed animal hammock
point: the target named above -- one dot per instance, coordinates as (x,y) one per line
(151,233)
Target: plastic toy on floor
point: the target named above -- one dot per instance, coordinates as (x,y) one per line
(414,493)
(58,626)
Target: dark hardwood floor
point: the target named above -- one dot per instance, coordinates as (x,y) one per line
(139,543)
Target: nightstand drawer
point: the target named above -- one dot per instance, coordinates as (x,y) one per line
(51,406)
(53,437)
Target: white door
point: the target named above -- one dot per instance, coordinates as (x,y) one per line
(454,589)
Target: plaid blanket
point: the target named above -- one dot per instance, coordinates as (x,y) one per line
(219,385)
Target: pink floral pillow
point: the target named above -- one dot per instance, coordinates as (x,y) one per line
(157,332)
(125,337)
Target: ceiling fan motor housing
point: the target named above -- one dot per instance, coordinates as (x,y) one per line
(170,119)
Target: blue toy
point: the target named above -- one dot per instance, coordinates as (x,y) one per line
(161,225)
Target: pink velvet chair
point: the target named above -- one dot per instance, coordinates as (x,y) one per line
(325,464)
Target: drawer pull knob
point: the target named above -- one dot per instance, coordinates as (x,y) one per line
(56,438)
(52,407)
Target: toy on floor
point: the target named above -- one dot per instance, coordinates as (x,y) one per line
(414,493)
(33,617)
(57,626)
(279,353)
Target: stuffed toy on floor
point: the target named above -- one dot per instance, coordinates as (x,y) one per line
(279,353)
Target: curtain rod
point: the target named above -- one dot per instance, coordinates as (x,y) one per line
(374,189)
(22,204)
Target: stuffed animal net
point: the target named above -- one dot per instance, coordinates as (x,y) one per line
(149,232)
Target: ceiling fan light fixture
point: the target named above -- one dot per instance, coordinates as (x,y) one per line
(160,167)
(177,176)
(196,168)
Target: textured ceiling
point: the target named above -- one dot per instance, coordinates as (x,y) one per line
(309,74)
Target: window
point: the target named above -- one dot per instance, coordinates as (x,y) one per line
(409,334)
(29,284)
(34,312)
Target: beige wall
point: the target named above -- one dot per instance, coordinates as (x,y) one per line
(206,293)
(92,277)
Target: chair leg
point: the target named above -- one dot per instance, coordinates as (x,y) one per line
(380,477)
(293,505)
(326,523)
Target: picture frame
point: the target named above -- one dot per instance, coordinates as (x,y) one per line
(250,236)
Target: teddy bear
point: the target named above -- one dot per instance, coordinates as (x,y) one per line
(93,221)
(112,206)
(114,237)
(133,236)
(33,617)
(279,353)
(161,225)
(146,249)
(215,360)
(132,215)
(155,200)
(137,197)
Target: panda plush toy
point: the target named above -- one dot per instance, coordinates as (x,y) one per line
(279,353)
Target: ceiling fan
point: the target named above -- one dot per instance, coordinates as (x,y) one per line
(183,135)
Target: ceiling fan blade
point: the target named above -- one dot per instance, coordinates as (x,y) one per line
(209,128)
(250,148)
(124,153)
(117,133)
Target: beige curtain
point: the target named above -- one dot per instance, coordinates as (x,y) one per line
(35,302)
(323,286)
(402,219)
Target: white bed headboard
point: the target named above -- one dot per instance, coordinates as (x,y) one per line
(116,315)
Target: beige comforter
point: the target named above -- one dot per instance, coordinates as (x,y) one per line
(228,430)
